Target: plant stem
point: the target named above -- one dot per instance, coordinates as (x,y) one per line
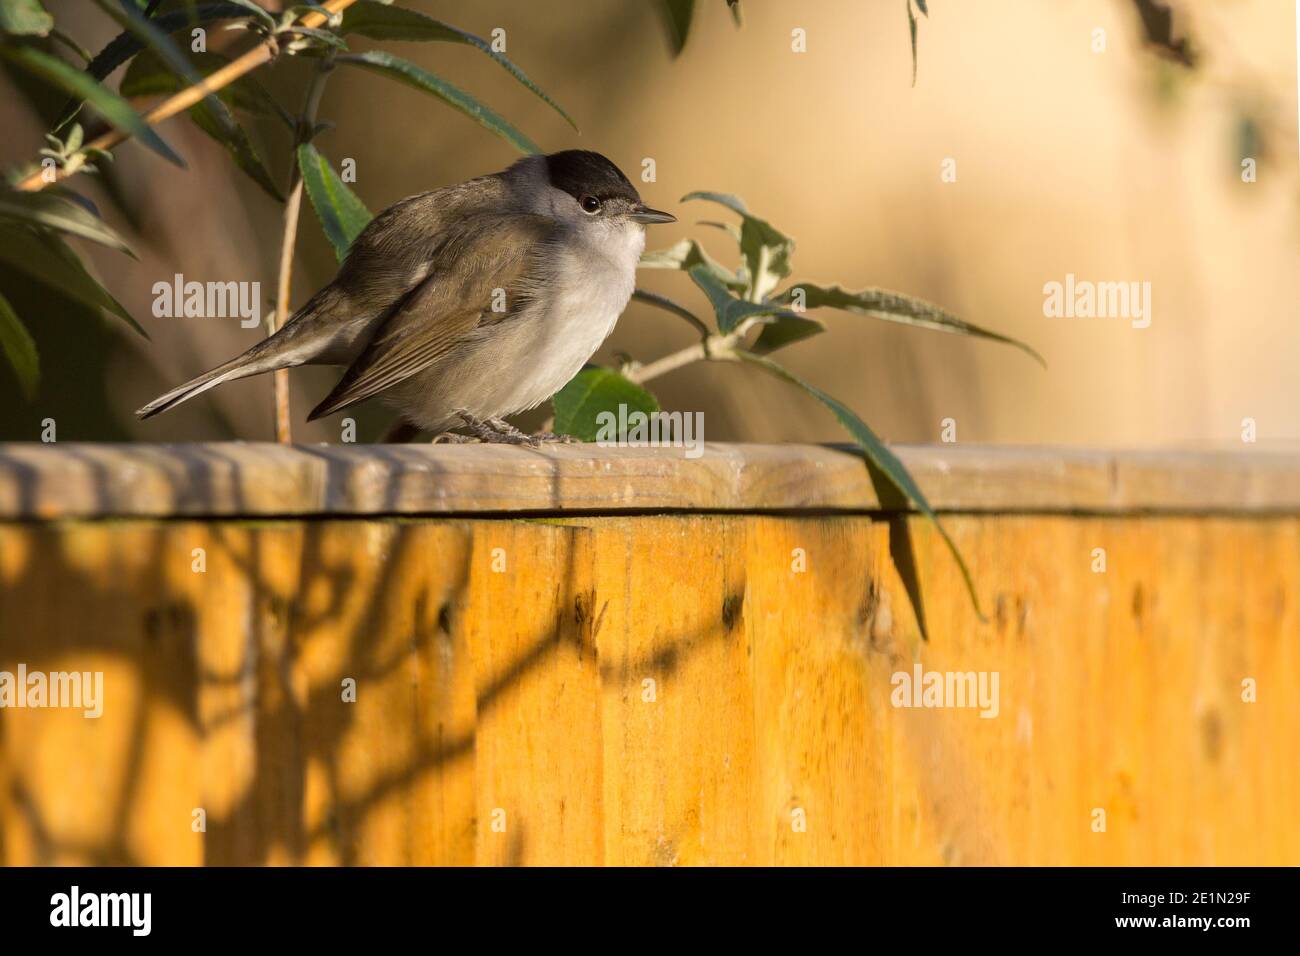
(179,102)
(280,377)
(289,241)
(715,348)
(671,362)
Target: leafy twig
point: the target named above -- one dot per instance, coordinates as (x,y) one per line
(262,53)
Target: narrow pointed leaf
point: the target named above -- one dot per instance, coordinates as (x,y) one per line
(729,310)
(677,17)
(766,249)
(164,50)
(61,37)
(393,67)
(55,212)
(911,28)
(785,330)
(685,255)
(878,453)
(115,110)
(17,345)
(341,213)
(48,259)
(730,200)
(592,391)
(146,76)
(894,307)
(126,45)
(379,21)
(730,228)
(214,118)
(258,11)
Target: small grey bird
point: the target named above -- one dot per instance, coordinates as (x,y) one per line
(469,303)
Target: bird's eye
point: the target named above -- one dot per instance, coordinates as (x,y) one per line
(590,205)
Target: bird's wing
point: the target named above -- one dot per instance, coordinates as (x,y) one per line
(484,261)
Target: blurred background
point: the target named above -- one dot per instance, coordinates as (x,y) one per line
(1119,165)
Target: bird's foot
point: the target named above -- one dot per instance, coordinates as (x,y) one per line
(496,431)
(551,437)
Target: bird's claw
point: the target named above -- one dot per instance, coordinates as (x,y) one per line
(496,431)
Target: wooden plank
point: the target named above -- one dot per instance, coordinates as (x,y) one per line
(44,482)
(530,624)
(678,709)
(771,735)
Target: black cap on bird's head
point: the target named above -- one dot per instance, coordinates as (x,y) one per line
(593,180)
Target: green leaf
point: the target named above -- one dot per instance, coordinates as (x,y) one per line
(730,228)
(214,118)
(877,453)
(341,213)
(17,345)
(147,76)
(60,37)
(126,45)
(25,18)
(685,255)
(155,39)
(894,307)
(767,250)
(55,212)
(115,110)
(258,11)
(786,330)
(729,310)
(730,200)
(668,305)
(911,27)
(378,21)
(48,259)
(396,68)
(592,391)
(677,17)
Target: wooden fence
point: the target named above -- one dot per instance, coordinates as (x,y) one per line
(429,655)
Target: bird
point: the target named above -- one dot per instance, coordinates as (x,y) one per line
(464,305)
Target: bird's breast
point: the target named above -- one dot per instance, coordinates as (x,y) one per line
(574,313)
(518,363)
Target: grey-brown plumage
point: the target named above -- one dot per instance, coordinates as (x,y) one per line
(483,297)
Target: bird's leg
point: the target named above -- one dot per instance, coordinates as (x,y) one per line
(494,430)
(512,435)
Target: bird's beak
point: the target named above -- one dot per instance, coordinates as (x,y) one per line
(643,213)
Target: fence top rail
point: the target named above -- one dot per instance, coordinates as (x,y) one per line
(236,479)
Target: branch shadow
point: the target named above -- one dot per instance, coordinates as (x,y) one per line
(158,639)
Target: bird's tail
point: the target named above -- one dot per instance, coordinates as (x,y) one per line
(256,360)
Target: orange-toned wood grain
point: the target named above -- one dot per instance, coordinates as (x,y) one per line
(653,690)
